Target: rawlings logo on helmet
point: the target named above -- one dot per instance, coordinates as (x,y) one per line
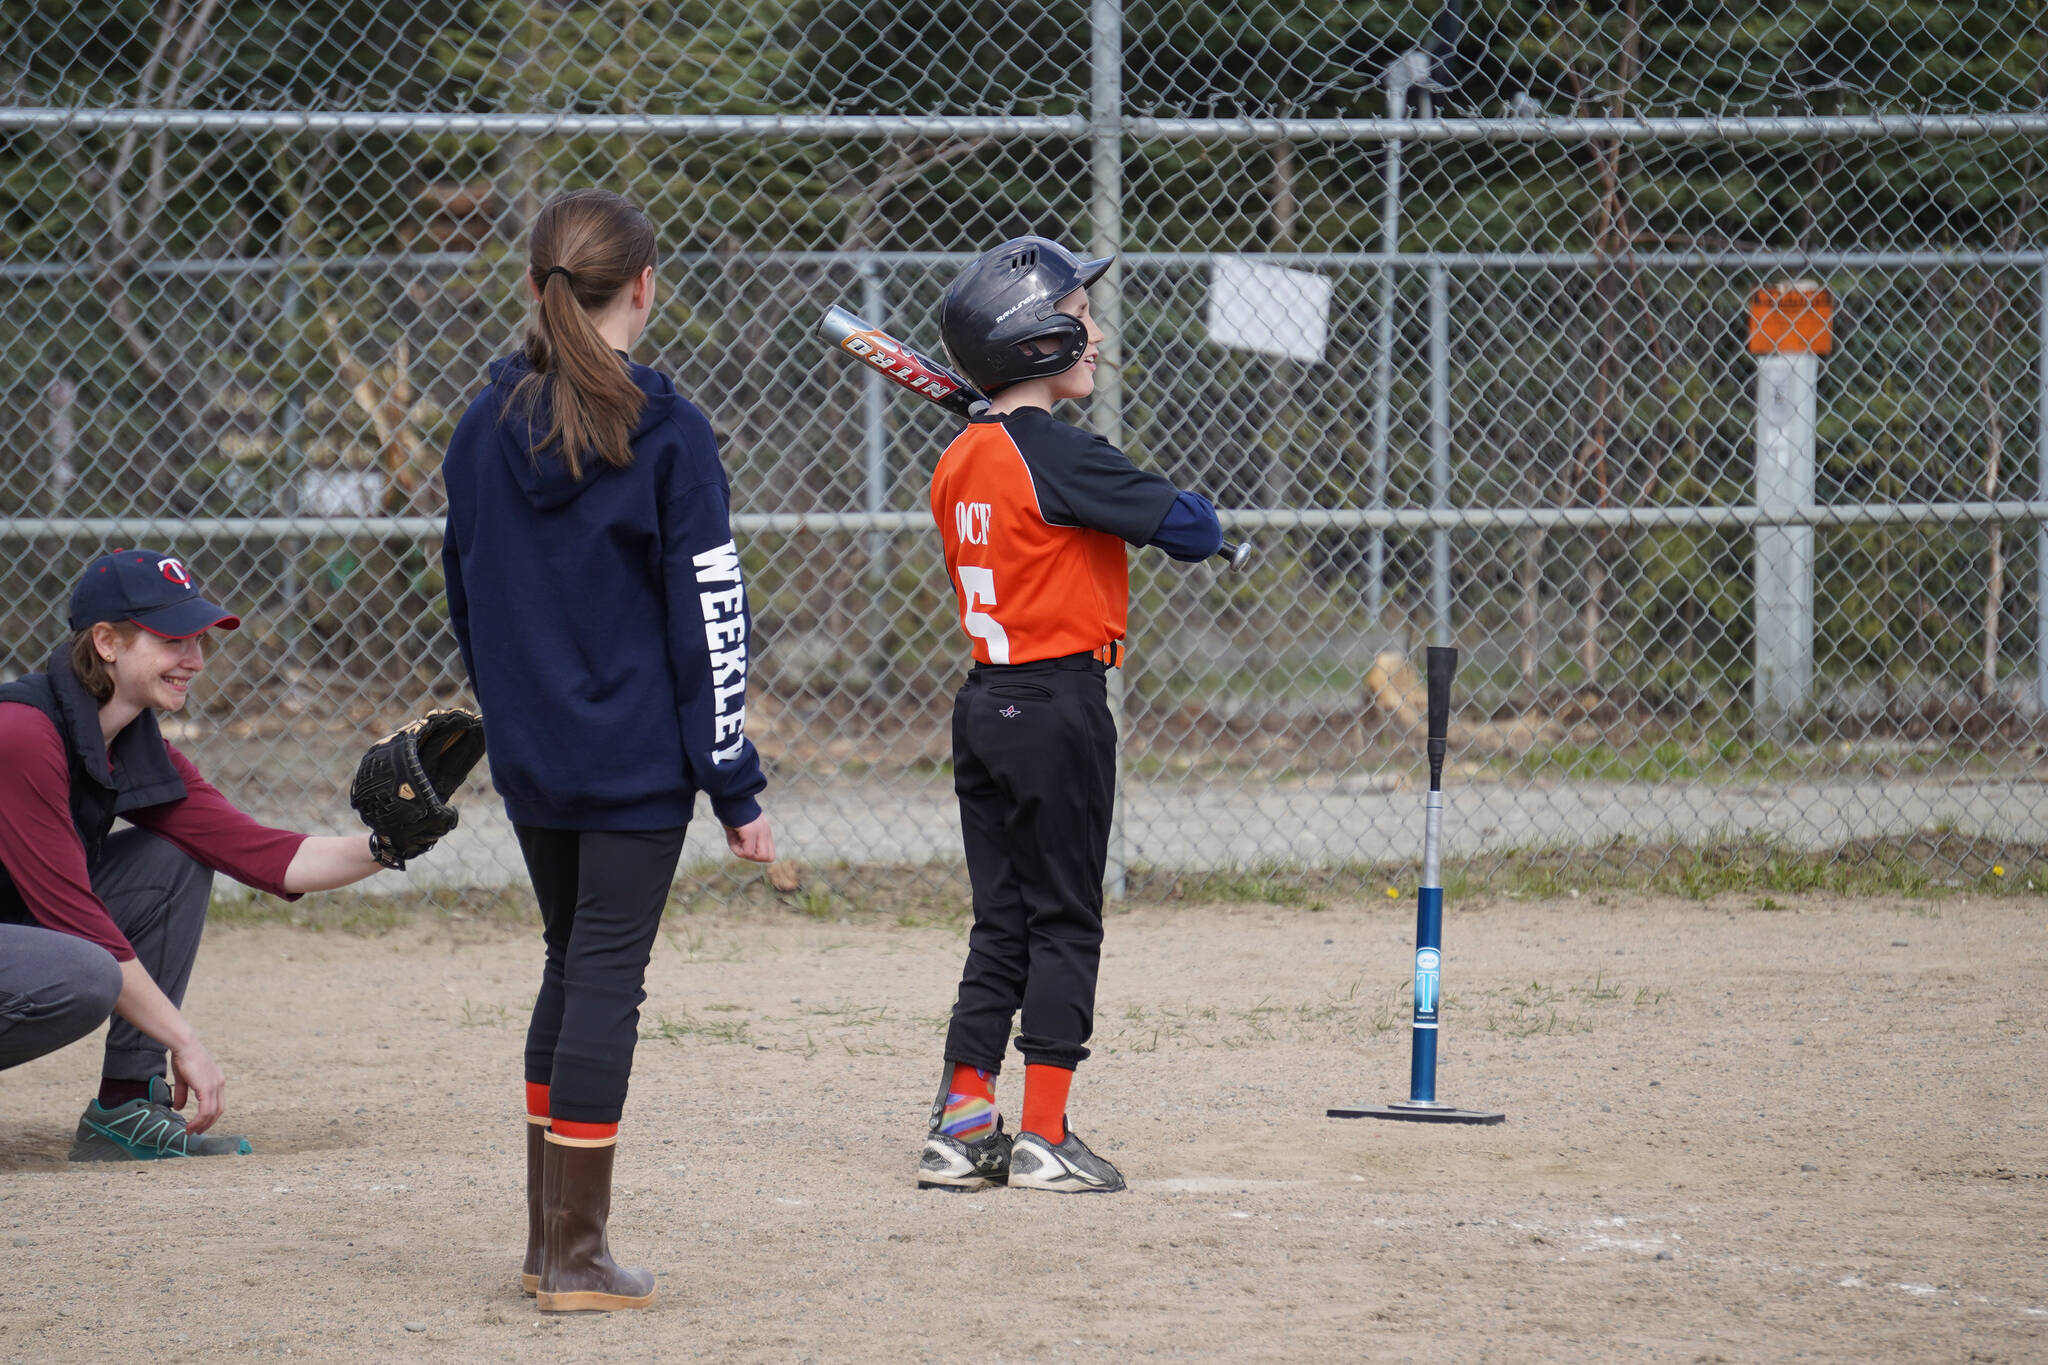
(1004,316)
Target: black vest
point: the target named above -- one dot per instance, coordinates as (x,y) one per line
(143,774)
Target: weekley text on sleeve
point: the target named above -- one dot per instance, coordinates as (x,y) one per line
(725,634)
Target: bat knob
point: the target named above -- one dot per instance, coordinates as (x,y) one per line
(1236,556)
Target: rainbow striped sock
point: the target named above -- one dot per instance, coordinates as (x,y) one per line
(970,1112)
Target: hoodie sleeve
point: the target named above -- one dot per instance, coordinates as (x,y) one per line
(458,601)
(455,474)
(708,628)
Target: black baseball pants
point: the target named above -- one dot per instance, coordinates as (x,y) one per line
(1034,766)
(601,894)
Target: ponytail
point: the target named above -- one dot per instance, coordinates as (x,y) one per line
(587,246)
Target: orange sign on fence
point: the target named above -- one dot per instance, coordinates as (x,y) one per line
(1790,319)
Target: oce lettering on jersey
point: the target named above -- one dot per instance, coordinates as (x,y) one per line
(970,522)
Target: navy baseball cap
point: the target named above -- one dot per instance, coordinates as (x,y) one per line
(150,588)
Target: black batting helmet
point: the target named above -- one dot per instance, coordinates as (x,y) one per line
(1006,299)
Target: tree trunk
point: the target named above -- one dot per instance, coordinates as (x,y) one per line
(1590,614)
(1994,578)
(1528,652)
(58,396)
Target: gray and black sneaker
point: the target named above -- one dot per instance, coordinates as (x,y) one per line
(146,1130)
(948,1163)
(1069,1168)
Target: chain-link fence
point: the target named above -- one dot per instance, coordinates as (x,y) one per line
(1683,365)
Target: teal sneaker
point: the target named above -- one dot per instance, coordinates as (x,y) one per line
(146,1130)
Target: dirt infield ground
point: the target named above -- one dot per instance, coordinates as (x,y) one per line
(1735,1133)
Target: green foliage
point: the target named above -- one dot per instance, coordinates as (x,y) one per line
(213,394)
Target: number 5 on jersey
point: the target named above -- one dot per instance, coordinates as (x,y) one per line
(977,593)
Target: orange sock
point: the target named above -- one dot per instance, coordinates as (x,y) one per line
(592,1133)
(1045,1101)
(536,1101)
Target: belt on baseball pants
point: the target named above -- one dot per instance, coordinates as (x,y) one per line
(1110,655)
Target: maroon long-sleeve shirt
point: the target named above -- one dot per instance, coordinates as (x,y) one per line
(41,850)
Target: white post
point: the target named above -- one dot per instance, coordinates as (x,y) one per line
(1789,332)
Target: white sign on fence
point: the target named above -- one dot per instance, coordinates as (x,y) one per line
(1269,308)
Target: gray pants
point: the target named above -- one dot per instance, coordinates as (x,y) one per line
(56,988)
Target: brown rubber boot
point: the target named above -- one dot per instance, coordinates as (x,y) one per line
(577,1273)
(536,1152)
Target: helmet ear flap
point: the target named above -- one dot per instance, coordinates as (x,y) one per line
(1053,349)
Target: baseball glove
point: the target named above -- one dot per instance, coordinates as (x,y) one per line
(403,783)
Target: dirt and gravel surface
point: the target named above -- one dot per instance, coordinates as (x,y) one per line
(1735,1132)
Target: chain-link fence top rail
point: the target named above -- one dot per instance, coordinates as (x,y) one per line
(253,259)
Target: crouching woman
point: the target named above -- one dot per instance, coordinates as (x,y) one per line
(98,922)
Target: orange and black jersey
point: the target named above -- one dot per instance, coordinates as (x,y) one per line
(1035,514)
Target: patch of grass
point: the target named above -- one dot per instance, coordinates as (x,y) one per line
(1602,989)
(1912,866)
(363,914)
(814,902)
(687,1027)
(852,1016)
(910,894)
(1542,1008)
(483,1014)
(1928,865)
(1256,888)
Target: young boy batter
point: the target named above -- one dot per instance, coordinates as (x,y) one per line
(1035,515)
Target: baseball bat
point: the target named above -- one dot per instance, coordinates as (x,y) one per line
(936,383)
(897,363)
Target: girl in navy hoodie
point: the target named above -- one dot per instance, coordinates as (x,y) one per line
(595,591)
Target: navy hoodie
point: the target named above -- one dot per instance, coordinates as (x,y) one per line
(603,620)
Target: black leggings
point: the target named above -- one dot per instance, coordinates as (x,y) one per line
(1034,766)
(601,895)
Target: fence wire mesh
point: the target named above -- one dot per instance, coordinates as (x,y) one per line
(1449,307)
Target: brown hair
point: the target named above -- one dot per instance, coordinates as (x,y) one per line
(96,673)
(587,246)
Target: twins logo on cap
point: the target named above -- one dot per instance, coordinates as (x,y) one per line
(148,588)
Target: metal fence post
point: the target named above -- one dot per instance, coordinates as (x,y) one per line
(289,495)
(1440,452)
(1383,360)
(1106,413)
(2040,484)
(875,441)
